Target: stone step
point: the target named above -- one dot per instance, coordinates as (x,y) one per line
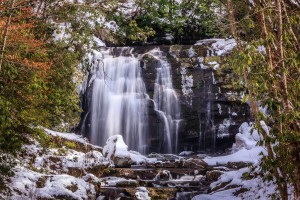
(161,193)
(149,173)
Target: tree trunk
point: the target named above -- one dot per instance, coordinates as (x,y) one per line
(280,62)
(5,34)
(290,28)
(232,22)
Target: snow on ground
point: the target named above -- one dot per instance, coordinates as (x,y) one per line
(56,172)
(242,155)
(69,136)
(244,150)
(222,195)
(28,184)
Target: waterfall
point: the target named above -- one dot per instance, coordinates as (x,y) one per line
(167,105)
(119,101)
(132,91)
(119,104)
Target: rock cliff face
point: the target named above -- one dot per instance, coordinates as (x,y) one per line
(211,109)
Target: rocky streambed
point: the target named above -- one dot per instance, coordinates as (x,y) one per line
(170,177)
(69,167)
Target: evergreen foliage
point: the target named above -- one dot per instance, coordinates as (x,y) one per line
(268,64)
(35,79)
(181,20)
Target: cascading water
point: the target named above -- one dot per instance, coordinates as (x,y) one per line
(140,101)
(119,104)
(167,105)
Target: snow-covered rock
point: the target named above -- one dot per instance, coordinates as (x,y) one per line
(27,184)
(69,136)
(163,175)
(117,151)
(186,153)
(142,193)
(219,46)
(246,139)
(233,182)
(138,158)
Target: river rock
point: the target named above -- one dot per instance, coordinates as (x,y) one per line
(212,176)
(238,165)
(163,175)
(164,157)
(195,163)
(117,151)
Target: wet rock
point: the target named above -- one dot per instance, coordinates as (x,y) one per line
(238,165)
(195,163)
(138,193)
(164,157)
(116,193)
(122,161)
(41,182)
(163,175)
(125,183)
(96,170)
(158,156)
(169,164)
(179,163)
(145,174)
(76,172)
(162,193)
(212,176)
(183,195)
(73,187)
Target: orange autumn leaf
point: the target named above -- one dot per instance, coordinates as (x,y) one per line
(21,38)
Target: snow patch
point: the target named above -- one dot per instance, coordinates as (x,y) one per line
(138,158)
(142,193)
(69,136)
(186,85)
(220,46)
